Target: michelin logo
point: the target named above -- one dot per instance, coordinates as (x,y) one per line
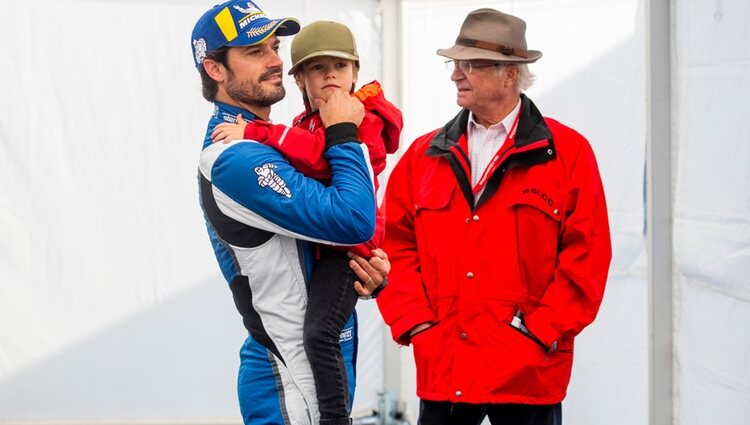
(246,21)
(251,13)
(268,178)
(251,8)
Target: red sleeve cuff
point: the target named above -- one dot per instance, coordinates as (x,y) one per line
(539,324)
(401,327)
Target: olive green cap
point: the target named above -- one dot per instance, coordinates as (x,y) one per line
(323,38)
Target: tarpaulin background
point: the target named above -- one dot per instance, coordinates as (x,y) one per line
(112,308)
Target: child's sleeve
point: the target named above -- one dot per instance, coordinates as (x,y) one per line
(304,150)
(381,128)
(370,133)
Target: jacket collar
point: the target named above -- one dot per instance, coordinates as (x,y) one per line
(228,113)
(531,128)
(224,113)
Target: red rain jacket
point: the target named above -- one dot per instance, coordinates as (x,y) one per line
(537,241)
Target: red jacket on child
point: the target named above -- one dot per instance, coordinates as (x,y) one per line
(304,143)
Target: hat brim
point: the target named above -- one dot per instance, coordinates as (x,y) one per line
(319,53)
(261,29)
(458,52)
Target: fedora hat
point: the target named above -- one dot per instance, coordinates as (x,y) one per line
(492,35)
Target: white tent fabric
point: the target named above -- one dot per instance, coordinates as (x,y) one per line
(712,211)
(112,308)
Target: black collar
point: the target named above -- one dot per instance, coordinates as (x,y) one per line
(531,128)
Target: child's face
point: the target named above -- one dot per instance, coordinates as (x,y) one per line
(323,75)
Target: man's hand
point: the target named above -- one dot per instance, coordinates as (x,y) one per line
(228,132)
(419,328)
(373,272)
(340,107)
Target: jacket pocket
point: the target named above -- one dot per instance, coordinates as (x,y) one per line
(436,236)
(432,197)
(538,218)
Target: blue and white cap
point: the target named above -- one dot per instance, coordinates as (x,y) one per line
(236,23)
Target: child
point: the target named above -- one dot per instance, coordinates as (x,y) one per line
(324,60)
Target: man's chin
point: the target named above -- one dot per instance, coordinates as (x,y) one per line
(275,95)
(273,82)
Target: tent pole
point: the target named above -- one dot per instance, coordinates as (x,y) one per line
(392,71)
(659,214)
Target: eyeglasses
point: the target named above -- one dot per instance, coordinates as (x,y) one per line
(468,66)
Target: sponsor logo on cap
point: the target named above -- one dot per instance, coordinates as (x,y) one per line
(251,14)
(199,46)
(247,20)
(254,32)
(251,8)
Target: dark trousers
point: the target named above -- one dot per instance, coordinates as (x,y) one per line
(447,413)
(330,302)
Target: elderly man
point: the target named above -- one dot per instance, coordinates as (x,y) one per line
(496,228)
(263,215)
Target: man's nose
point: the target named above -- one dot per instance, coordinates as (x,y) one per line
(275,60)
(457,74)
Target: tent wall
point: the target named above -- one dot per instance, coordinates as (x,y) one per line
(112,308)
(711,211)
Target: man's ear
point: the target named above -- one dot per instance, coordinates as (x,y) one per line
(216,70)
(512,73)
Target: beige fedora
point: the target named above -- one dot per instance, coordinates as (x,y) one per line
(493,35)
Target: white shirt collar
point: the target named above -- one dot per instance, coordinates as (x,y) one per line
(505,122)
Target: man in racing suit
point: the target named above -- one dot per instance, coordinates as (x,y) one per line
(262,215)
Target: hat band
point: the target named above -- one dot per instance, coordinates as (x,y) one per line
(508,51)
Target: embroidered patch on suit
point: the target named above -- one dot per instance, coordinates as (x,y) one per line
(268,178)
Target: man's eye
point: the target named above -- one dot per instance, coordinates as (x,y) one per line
(341,65)
(317,67)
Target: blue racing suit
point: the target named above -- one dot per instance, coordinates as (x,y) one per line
(263,218)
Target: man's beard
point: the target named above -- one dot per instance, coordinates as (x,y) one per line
(253,93)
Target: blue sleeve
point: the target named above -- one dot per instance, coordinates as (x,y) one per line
(255,185)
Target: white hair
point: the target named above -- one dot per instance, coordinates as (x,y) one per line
(525,78)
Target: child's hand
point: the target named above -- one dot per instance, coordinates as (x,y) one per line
(228,132)
(340,107)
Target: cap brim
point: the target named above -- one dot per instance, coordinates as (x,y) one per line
(261,29)
(458,52)
(334,53)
